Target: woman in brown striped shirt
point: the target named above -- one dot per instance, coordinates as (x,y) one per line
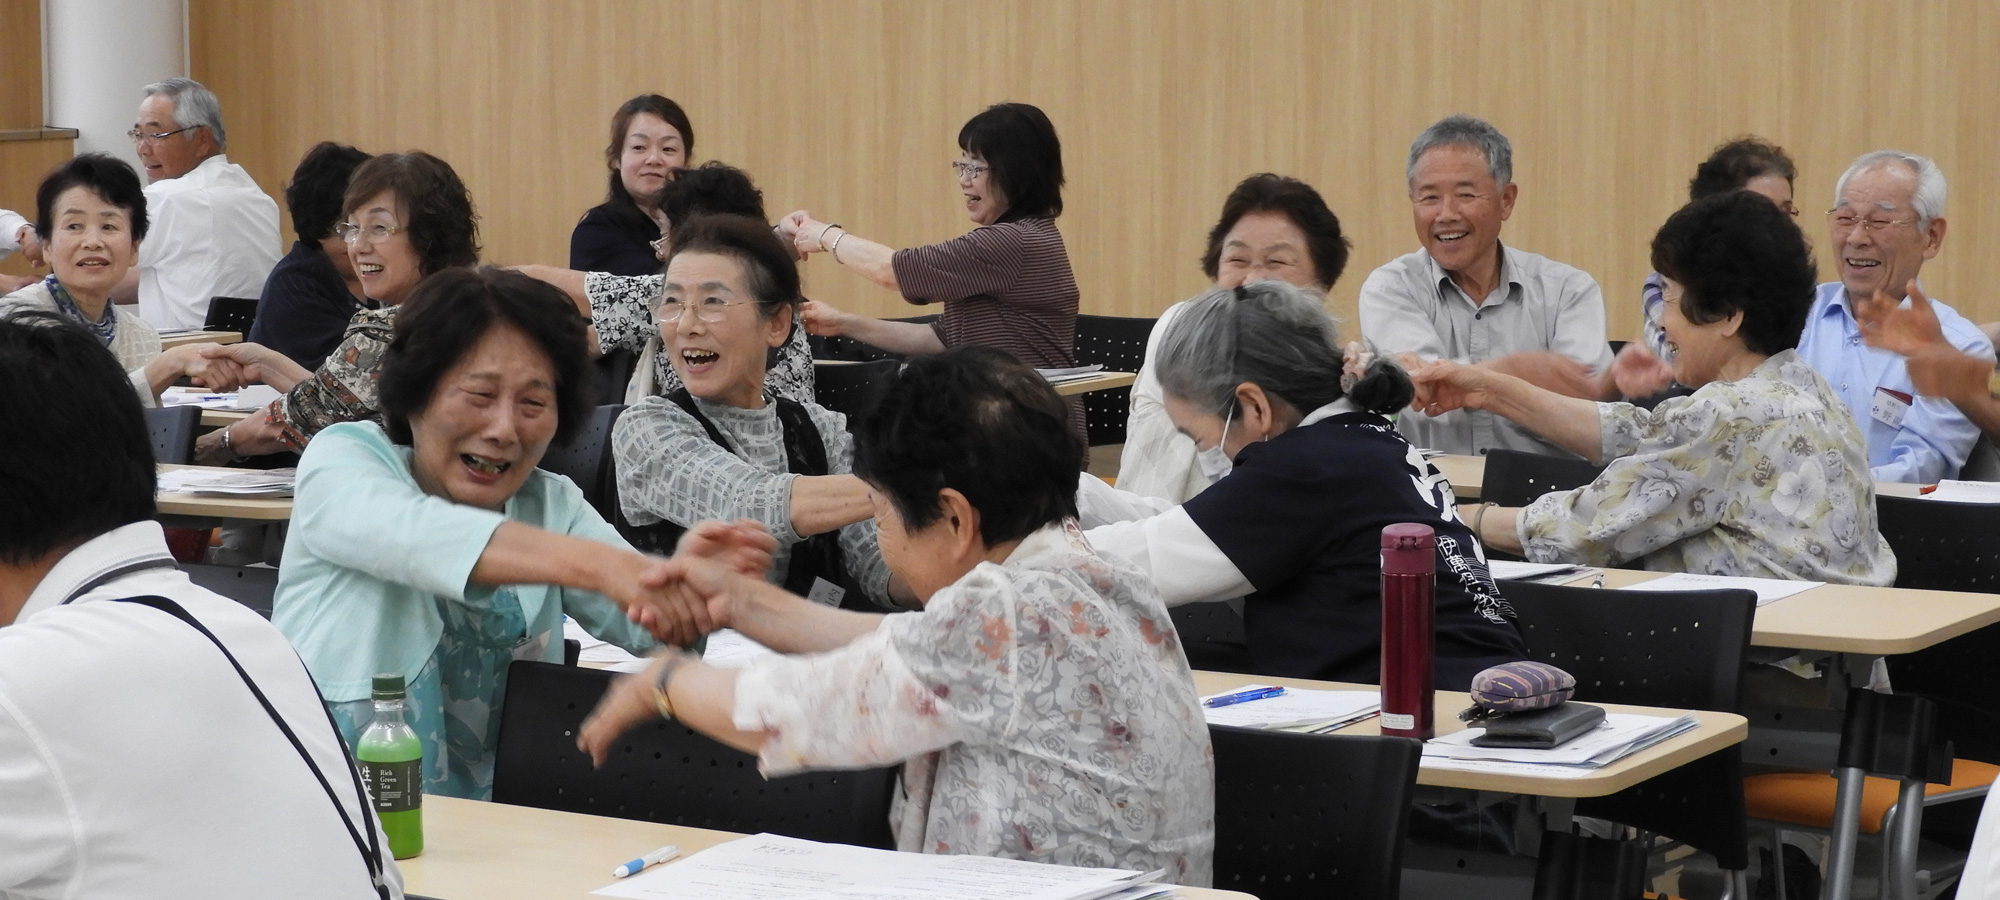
(1006,284)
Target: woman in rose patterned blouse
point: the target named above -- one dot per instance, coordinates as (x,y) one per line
(1040,703)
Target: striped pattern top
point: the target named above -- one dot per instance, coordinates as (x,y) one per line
(1007,286)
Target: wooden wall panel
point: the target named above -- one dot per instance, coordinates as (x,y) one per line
(22,165)
(851,109)
(20,64)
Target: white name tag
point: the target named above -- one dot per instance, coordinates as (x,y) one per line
(826,593)
(1889,407)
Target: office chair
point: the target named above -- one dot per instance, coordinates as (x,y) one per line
(665,772)
(1302,816)
(851,389)
(1118,344)
(588,462)
(173,431)
(1212,636)
(1514,478)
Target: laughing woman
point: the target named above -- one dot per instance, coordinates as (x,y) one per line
(723,446)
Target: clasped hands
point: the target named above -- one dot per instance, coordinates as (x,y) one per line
(684,597)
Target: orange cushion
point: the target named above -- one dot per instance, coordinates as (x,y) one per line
(1806,798)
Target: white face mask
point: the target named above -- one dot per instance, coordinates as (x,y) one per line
(1215,462)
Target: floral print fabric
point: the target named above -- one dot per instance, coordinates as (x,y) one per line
(1766,476)
(1043,707)
(621,307)
(343,388)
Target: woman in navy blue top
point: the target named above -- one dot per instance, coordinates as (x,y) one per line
(650,139)
(1256,377)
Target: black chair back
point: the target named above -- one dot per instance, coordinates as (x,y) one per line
(172,430)
(1119,345)
(847,349)
(587,460)
(851,389)
(1945,546)
(231,314)
(1514,478)
(1311,815)
(1212,636)
(1655,648)
(614,373)
(253,587)
(665,772)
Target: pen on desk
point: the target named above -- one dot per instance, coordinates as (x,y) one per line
(1242,697)
(651,859)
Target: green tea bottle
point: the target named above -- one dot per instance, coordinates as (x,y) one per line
(392,765)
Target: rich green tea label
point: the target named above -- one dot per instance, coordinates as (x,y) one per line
(396,786)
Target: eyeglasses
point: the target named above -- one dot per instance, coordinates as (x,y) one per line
(142,137)
(707,309)
(1845,221)
(375,234)
(1789,208)
(968,171)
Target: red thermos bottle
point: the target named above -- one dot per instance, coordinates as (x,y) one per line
(1409,587)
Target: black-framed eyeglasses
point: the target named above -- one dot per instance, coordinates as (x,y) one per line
(143,137)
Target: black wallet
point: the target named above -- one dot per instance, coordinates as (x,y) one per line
(1540,729)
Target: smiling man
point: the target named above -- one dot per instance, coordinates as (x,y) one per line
(1887,219)
(1465,297)
(215,232)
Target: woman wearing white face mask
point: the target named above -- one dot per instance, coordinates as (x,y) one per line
(1272,228)
(1256,371)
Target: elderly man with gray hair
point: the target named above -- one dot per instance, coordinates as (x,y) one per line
(1463,296)
(214,231)
(1887,219)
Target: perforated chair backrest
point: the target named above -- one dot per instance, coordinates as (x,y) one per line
(587,460)
(236,314)
(253,587)
(172,430)
(1514,478)
(851,389)
(664,772)
(1118,344)
(1212,636)
(1655,648)
(1940,545)
(613,373)
(1311,815)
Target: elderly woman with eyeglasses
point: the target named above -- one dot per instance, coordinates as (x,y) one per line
(724,446)
(406,217)
(1006,284)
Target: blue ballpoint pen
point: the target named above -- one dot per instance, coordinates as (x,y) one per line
(1243,697)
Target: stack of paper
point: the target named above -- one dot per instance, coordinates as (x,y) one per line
(1510,570)
(1966,491)
(771,867)
(1295,709)
(1769,590)
(256,396)
(229,482)
(726,648)
(1072,373)
(1618,736)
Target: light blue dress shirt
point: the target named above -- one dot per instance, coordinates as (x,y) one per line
(1933,438)
(369,552)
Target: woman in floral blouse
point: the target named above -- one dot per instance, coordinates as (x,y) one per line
(1040,703)
(1761,472)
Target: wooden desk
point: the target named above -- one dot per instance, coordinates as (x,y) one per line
(1102,381)
(264,509)
(1715,731)
(1845,618)
(1467,475)
(492,851)
(222,418)
(170,341)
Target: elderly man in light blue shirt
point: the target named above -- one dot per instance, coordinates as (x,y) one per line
(1887,219)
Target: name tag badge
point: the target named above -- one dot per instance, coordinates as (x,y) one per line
(1890,407)
(826,593)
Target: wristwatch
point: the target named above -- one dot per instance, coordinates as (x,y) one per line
(660,699)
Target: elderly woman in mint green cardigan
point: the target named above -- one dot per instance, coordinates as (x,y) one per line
(435,549)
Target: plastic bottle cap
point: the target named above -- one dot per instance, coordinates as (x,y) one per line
(389,687)
(1409,549)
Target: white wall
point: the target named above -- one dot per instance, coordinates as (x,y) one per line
(99,53)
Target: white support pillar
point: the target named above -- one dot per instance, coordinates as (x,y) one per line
(98,54)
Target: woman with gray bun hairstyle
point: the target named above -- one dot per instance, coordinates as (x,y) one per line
(1256,375)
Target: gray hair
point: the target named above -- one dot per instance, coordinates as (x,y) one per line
(1928,197)
(194,106)
(1275,336)
(1466,131)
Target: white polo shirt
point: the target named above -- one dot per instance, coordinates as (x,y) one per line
(213,233)
(135,763)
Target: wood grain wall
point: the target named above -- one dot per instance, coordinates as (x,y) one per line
(851,109)
(20,64)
